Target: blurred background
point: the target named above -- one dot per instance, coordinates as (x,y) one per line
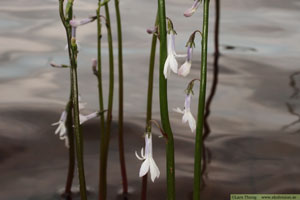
(253,126)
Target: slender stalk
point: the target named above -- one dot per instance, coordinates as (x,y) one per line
(164,102)
(74,85)
(201,104)
(71,168)
(106,136)
(100,90)
(215,80)
(149,101)
(121,129)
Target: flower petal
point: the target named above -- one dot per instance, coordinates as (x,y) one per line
(166,67)
(184,70)
(138,157)
(144,168)
(154,171)
(192,122)
(178,110)
(173,63)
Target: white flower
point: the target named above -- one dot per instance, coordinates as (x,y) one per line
(149,163)
(84,118)
(187,115)
(189,12)
(76,23)
(184,70)
(171,62)
(61,129)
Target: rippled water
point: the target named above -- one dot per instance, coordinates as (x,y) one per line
(254,121)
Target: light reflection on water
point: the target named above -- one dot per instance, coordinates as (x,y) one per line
(249,150)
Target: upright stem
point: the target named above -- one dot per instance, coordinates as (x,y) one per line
(106,136)
(71,168)
(121,129)
(201,104)
(74,86)
(164,102)
(213,89)
(100,91)
(149,101)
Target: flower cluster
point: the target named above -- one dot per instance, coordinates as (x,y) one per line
(62,129)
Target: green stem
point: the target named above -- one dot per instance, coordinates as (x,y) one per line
(74,91)
(149,101)
(164,102)
(201,104)
(100,90)
(121,112)
(71,168)
(106,136)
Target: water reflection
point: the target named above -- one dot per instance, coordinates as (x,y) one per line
(293,107)
(215,80)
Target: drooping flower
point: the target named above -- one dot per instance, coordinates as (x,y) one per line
(76,23)
(61,129)
(84,118)
(147,158)
(185,68)
(171,62)
(189,12)
(187,115)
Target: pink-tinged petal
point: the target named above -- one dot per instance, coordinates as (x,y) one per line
(184,70)
(144,168)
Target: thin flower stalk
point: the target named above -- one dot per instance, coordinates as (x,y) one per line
(72,49)
(170,166)
(121,112)
(98,72)
(106,137)
(201,104)
(149,101)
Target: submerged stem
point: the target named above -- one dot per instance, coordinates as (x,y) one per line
(71,168)
(164,102)
(121,112)
(201,105)
(106,135)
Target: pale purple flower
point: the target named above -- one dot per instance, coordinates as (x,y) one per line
(189,12)
(147,158)
(61,130)
(184,70)
(171,62)
(187,115)
(76,23)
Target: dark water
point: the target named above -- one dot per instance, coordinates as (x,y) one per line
(254,120)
